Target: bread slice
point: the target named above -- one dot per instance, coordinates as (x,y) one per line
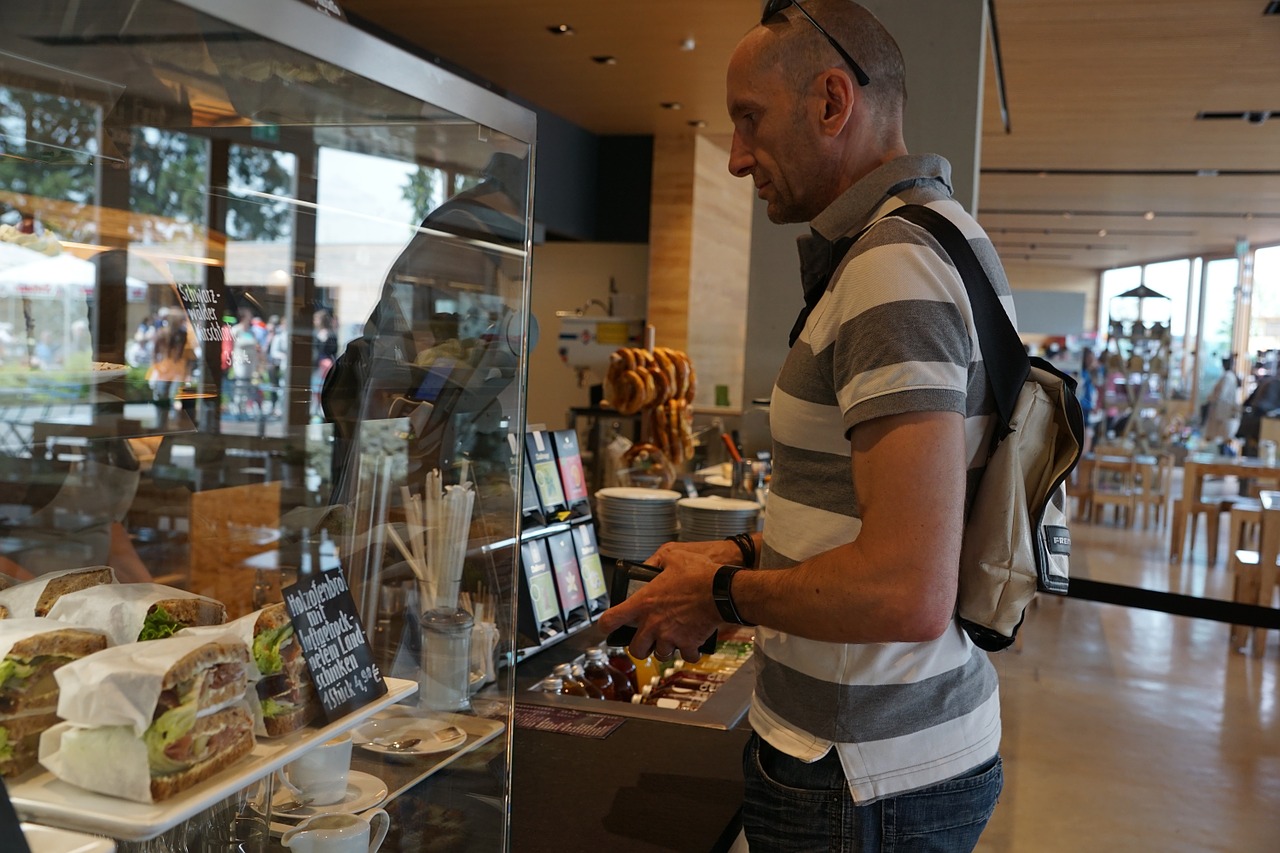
(282,724)
(229,734)
(60,586)
(22,733)
(65,642)
(193,612)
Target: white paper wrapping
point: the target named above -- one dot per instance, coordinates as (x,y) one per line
(120,686)
(15,630)
(21,600)
(110,760)
(118,609)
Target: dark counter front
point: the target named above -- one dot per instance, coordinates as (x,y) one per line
(649,785)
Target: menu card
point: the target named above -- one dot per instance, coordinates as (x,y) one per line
(572,477)
(333,643)
(589,566)
(564,559)
(546,475)
(539,614)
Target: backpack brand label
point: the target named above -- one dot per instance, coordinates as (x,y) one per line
(1057,539)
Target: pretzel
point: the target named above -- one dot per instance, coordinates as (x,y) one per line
(662,386)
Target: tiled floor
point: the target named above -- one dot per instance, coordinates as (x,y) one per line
(1134,730)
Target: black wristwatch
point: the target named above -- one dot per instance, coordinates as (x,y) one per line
(722,592)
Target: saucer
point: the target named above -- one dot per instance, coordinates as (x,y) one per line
(364,791)
(435,736)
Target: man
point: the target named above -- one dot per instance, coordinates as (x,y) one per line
(877,722)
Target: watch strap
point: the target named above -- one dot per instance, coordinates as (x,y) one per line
(722,593)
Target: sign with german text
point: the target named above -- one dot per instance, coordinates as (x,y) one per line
(333,643)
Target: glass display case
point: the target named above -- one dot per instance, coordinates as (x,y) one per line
(264,294)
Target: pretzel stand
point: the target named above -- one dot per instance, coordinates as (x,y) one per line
(660,383)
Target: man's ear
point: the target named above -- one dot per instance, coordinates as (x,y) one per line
(839,98)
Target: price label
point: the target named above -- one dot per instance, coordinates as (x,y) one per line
(333,643)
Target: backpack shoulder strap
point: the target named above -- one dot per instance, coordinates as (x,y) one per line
(1003,356)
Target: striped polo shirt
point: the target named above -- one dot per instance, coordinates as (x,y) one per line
(893,333)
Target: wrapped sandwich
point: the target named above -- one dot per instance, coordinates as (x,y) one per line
(281,693)
(129,612)
(148,720)
(30,652)
(36,597)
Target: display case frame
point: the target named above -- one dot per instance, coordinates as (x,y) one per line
(267,484)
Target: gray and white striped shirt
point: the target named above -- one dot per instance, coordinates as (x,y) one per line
(892,334)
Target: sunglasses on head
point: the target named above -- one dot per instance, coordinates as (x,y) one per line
(774,7)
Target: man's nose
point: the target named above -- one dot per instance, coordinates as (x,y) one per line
(740,159)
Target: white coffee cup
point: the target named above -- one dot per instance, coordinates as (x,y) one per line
(321,774)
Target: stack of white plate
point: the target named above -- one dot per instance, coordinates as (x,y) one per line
(713,517)
(635,522)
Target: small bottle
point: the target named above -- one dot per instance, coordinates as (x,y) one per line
(552,684)
(593,690)
(620,660)
(598,672)
(573,686)
(645,669)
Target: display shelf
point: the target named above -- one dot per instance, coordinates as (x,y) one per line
(41,797)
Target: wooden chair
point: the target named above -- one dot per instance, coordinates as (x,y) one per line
(1246,580)
(1113,483)
(1155,475)
(1080,488)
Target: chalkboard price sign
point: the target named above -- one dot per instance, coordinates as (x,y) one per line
(333,643)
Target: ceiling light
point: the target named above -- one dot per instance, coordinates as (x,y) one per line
(1102,232)
(1149,215)
(560,30)
(697,122)
(605,60)
(688,44)
(1066,214)
(672,105)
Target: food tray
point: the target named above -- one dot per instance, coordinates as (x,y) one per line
(41,797)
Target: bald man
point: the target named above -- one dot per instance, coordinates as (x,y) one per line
(876,721)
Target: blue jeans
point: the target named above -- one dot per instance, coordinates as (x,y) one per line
(793,807)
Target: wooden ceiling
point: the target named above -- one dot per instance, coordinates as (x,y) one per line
(1105,163)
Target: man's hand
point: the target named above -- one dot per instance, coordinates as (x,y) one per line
(674,612)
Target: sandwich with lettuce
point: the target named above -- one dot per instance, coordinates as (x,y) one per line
(131,612)
(149,720)
(285,691)
(33,649)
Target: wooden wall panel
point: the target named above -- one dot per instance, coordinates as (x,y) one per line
(699,260)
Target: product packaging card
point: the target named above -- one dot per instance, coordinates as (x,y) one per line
(564,561)
(572,475)
(333,642)
(590,567)
(539,613)
(546,475)
(531,504)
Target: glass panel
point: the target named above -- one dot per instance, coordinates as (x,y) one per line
(1218,325)
(262,327)
(1264,313)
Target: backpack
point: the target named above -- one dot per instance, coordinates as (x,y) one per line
(1016,540)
